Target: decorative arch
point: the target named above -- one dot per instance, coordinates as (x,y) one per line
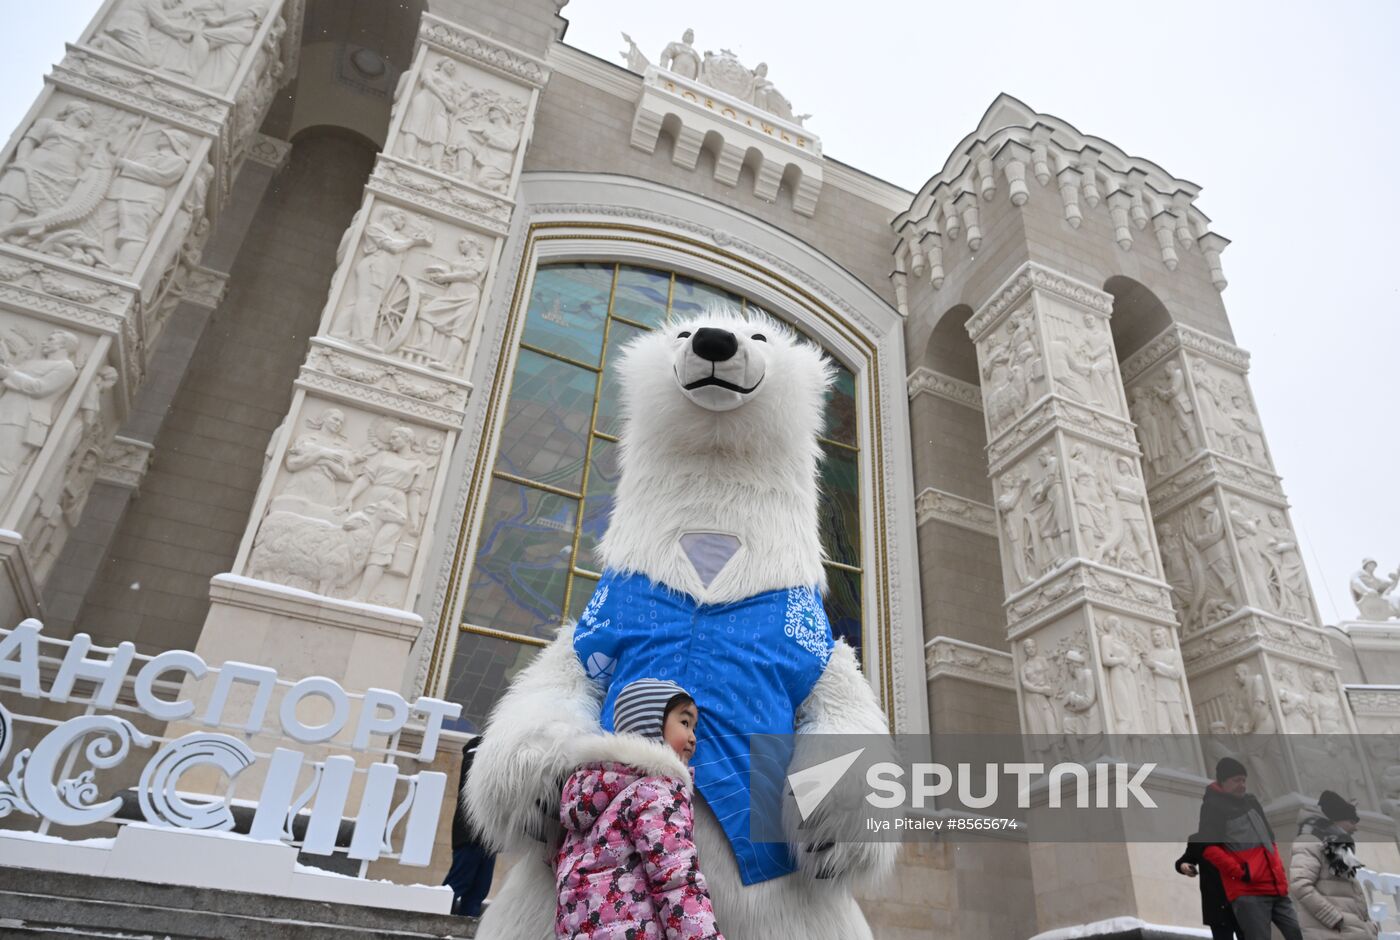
(1138,315)
(592,218)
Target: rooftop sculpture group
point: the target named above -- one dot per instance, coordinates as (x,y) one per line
(721,71)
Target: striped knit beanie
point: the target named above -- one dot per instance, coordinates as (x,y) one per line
(640,707)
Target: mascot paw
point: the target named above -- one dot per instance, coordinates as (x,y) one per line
(852,861)
(513,793)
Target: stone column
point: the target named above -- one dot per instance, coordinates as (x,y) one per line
(107,189)
(1257,658)
(1088,610)
(333,558)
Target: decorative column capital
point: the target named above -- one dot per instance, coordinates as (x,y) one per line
(925,381)
(958,659)
(491,54)
(1180,337)
(956,510)
(125,462)
(1033,276)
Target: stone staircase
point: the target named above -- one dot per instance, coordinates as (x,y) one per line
(49,904)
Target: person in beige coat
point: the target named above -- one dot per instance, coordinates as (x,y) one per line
(1322,875)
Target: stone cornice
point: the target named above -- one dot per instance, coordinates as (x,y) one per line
(1032,276)
(1373,634)
(205,288)
(958,659)
(400,388)
(1208,470)
(1082,582)
(956,510)
(125,462)
(448,199)
(924,381)
(1250,630)
(1178,336)
(490,54)
(1053,413)
(1383,701)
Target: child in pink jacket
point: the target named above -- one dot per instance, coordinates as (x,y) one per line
(628,868)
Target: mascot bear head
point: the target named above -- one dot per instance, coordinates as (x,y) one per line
(718,490)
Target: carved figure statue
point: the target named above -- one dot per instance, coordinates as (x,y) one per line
(1128,543)
(309,553)
(1206,534)
(1247,434)
(493,145)
(1182,423)
(1080,695)
(1015,521)
(1372,594)
(1252,711)
(30,392)
(1095,351)
(1050,512)
(1071,370)
(1090,504)
(392,482)
(319,462)
(636,59)
(680,57)
(1296,708)
(1254,559)
(444,324)
(1006,393)
(140,190)
(1289,577)
(48,164)
(219,40)
(383,247)
(427,123)
(767,97)
(138,30)
(1038,690)
(1326,707)
(1120,661)
(1163,661)
(1151,432)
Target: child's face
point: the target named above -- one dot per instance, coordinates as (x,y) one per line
(679,730)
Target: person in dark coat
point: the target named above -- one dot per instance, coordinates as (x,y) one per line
(1215,907)
(472,863)
(1241,845)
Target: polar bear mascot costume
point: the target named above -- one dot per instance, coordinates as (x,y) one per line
(712,579)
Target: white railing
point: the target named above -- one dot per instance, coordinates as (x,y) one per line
(1383,898)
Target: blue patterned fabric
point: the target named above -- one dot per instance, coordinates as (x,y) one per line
(748,665)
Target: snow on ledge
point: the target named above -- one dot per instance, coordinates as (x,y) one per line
(1119,925)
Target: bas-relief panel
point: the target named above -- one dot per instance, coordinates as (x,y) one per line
(1060,693)
(57,505)
(197,41)
(349,505)
(1082,363)
(89,183)
(1198,563)
(1013,370)
(39,367)
(1034,513)
(413,288)
(1271,564)
(463,122)
(1144,676)
(1110,507)
(1227,413)
(1161,406)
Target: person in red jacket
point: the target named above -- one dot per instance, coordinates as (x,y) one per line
(1242,848)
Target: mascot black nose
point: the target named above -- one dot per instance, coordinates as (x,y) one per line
(714,345)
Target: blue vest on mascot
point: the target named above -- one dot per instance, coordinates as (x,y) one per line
(748,664)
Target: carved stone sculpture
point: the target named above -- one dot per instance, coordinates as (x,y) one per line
(464,130)
(1254,556)
(1080,695)
(30,392)
(319,466)
(1251,711)
(1152,431)
(444,323)
(680,56)
(382,249)
(1292,702)
(1120,657)
(1181,413)
(392,482)
(485,150)
(140,191)
(1372,593)
(1129,542)
(1091,503)
(423,134)
(1050,512)
(1164,664)
(199,40)
(1038,691)
(1326,707)
(1016,528)
(313,554)
(1289,577)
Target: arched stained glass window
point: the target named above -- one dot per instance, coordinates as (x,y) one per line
(556,470)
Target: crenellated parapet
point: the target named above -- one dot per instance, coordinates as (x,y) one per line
(1039,156)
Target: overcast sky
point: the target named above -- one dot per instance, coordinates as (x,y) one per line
(1285,113)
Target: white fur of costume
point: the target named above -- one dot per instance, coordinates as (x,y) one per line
(708,446)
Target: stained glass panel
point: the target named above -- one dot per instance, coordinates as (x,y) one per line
(838,505)
(598,501)
(841,408)
(546,426)
(842,604)
(641,295)
(568,305)
(522,560)
(581,592)
(609,406)
(482,667)
(692,297)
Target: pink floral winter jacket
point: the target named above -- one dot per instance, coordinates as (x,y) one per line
(628,869)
